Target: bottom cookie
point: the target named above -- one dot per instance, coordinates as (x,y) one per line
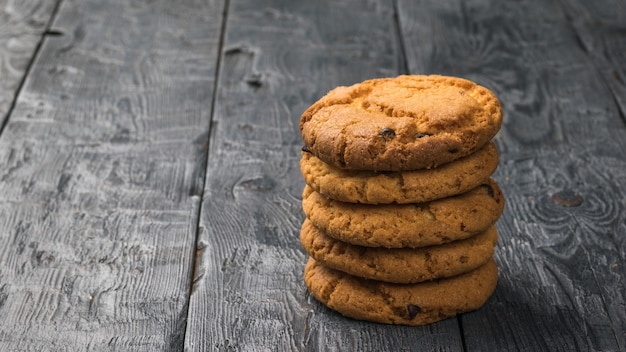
(405,304)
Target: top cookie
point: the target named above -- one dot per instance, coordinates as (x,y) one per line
(402,123)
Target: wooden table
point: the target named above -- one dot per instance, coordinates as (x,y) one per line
(150,188)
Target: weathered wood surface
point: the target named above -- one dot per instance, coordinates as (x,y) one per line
(113,239)
(22,24)
(600,27)
(101,170)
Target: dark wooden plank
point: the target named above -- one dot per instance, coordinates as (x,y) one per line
(249,294)
(22,24)
(562,284)
(101,172)
(601,29)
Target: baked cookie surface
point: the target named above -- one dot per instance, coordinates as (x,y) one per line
(406,304)
(404,123)
(402,265)
(406,225)
(416,186)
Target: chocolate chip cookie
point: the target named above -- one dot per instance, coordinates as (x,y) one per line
(407,304)
(406,225)
(401,265)
(416,186)
(403,123)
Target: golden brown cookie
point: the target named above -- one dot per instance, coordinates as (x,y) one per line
(406,304)
(406,225)
(400,265)
(402,123)
(417,186)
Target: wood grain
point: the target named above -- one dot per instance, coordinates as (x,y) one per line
(562,276)
(22,25)
(101,166)
(600,27)
(249,293)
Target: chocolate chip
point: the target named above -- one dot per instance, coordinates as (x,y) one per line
(413,310)
(422,135)
(463,259)
(453,151)
(387,133)
(567,198)
(306,149)
(489,189)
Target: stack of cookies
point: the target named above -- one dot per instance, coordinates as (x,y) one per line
(400,207)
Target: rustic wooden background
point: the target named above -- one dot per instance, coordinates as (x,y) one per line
(149,180)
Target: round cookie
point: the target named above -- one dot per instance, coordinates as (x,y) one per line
(404,123)
(402,265)
(406,225)
(406,304)
(416,186)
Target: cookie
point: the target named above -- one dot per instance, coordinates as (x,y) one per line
(406,304)
(406,225)
(401,265)
(404,123)
(416,186)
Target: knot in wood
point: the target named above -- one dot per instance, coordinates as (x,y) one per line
(567,198)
